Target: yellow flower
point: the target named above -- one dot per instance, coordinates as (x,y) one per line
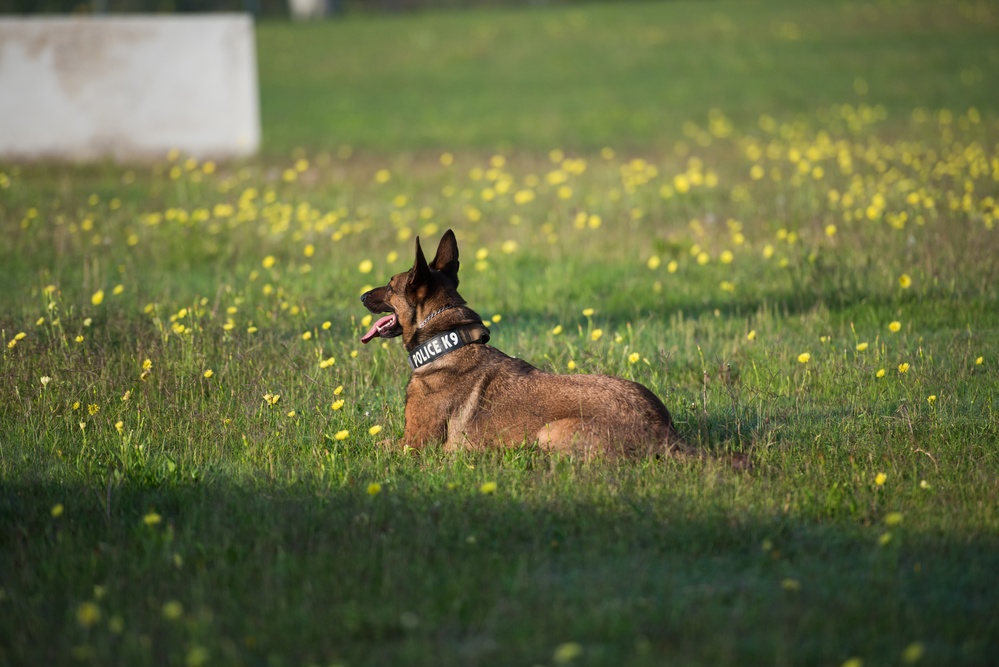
(79,339)
(152,519)
(307,335)
(634,357)
(895,326)
(118,289)
(365,266)
(884,539)
(567,653)
(342,435)
(172,610)
(97,297)
(209,373)
(903,367)
(804,357)
(88,614)
(119,426)
(672,266)
(893,519)
(326,325)
(880,479)
(557,330)
(147,364)
(880,373)
(588,312)
(374,489)
(488,487)
(751,335)
(338,390)
(791,585)
(336,405)
(979,361)
(292,413)
(913,653)
(269,261)
(196,657)
(571,365)
(931,399)
(596,334)
(654,262)
(57,510)
(853,662)
(904,281)
(375,430)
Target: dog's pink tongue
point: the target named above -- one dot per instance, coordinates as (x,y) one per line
(382,323)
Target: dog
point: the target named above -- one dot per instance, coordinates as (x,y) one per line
(464,393)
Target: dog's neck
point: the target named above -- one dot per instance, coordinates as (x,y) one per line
(446,342)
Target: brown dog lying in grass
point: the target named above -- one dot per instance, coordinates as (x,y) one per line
(466,394)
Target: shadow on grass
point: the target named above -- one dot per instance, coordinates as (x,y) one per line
(432,571)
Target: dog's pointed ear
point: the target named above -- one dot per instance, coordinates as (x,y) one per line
(446,259)
(419,275)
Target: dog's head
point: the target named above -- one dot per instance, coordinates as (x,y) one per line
(410,298)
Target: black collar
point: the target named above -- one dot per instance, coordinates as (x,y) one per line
(446,342)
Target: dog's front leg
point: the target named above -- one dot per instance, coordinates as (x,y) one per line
(426,423)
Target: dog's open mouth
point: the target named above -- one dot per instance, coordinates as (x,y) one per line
(384,327)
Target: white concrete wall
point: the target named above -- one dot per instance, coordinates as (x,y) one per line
(128,87)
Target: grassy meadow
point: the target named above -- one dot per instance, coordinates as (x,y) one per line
(779,217)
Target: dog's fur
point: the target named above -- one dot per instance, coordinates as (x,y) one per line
(478,397)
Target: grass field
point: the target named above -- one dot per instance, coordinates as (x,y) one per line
(779,217)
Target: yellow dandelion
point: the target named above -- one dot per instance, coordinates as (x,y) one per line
(853,662)
(861,347)
(307,335)
(804,358)
(118,289)
(931,399)
(374,489)
(268,261)
(557,330)
(791,585)
(337,404)
(895,326)
(672,266)
(880,479)
(79,339)
(326,325)
(634,357)
(596,334)
(151,519)
(119,426)
(196,657)
(88,614)
(830,230)
(567,652)
(653,262)
(904,281)
(97,298)
(588,312)
(571,365)
(341,435)
(893,518)
(903,367)
(751,335)
(488,487)
(338,390)
(172,610)
(375,430)
(884,539)
(880,373)
(208,373)
(365,266)
(292,413)
(57,510)
(979,361)
(913,653)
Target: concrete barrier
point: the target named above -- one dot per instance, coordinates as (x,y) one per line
(128,87)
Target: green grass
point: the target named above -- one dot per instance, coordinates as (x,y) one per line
(173,516)
(618,74)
